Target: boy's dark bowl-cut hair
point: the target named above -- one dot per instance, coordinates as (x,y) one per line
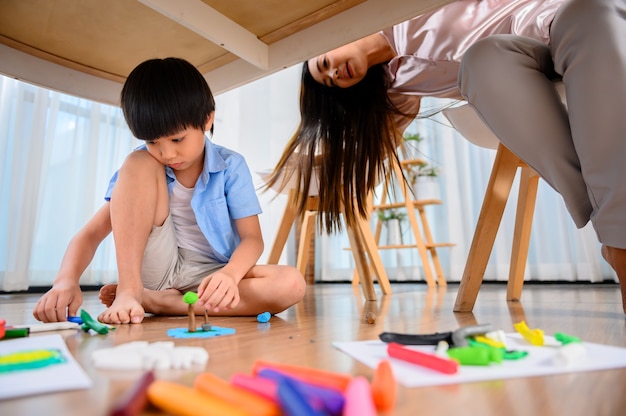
(162,97)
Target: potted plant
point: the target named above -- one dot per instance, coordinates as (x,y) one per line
(423,178)
(410,145)
(392,219)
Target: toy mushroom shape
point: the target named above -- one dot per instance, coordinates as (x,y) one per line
(190,298)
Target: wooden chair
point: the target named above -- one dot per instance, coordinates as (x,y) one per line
(424,241)
(362,244)
(465,120)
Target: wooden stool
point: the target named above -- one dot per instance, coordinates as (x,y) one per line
(362,244)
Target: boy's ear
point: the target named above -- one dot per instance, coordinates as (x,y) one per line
(209,121)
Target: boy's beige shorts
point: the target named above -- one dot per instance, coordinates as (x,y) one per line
(166,266)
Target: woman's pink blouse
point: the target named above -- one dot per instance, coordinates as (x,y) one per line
(429,47)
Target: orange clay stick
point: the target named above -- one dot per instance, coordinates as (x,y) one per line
(384,387)
(252,403)
(310,375)
(181,400)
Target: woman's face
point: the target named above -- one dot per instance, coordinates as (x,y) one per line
(342,67)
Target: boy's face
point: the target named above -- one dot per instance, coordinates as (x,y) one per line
(183,151)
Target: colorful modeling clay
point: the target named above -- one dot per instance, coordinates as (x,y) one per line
(319,398)
(384,387)
(135,399)
(359,398)
(534,336)
(565,339)
(293,402)
(140,355)
(90,323)
(253,404)
(258,385)
(489,342)
(424,359)
(16,333)
(182,400)
(315,376)
(263,317)
(29,360)
(475,355)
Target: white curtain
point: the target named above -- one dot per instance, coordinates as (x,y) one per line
(58,153)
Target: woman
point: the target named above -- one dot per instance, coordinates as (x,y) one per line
(580,150)
(357,100)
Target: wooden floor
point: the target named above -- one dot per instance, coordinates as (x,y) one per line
(335,312)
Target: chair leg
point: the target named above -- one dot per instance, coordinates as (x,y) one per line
(419,241)
(428,237)
(308,227)
(371,248)
(286,223)
(496,195)
(362,266)
(529,181)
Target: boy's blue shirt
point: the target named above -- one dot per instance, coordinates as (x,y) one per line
(223,193)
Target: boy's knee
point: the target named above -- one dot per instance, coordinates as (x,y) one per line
(295,285)
(141,161)
(298,283)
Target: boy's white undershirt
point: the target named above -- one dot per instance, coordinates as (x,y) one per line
(187,231)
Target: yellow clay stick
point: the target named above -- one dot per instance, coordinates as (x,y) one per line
(534,336)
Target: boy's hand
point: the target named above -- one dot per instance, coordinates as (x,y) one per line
(219,291)
(58,303)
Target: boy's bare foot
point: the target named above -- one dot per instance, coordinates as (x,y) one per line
(125,309)
(169,301)
(616,257)
(107,294)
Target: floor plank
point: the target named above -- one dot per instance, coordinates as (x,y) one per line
(304,334)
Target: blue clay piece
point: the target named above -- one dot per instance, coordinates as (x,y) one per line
(263,317)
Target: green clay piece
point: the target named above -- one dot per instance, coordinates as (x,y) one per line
(190,298)
(565,339)
(475,355)
(514,354)
(90,323)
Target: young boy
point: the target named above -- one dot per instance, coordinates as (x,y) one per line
(183,212)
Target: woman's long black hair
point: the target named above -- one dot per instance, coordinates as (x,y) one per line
(347,135)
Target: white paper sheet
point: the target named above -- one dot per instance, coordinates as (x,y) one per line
(539,362)
(53,378)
